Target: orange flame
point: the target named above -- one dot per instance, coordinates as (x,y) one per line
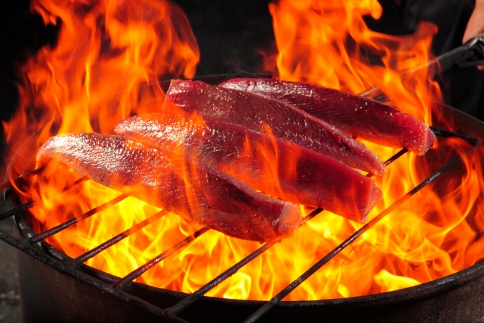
(106,65)
(327,42)
(109,57)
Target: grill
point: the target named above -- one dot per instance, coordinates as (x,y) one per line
(98,296)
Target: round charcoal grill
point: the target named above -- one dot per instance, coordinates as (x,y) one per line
(57,288)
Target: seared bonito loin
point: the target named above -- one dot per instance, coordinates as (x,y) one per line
(273,166)
(266,115)
(193,190)
(358,116)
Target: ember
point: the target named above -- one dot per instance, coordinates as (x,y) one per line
(114,74)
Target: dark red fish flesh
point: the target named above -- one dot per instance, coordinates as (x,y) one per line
(271,165)
(193,190)
(266,115)
(358,116)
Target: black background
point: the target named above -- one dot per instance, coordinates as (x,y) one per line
(230,34)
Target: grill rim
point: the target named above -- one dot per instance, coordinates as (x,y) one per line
(411,293)
(389,307)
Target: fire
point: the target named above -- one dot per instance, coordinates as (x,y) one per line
(106,66)
(314,37)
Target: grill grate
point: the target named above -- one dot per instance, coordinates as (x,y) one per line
(35,246)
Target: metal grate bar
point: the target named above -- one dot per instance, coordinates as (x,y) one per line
(78,181)
(117,288)
(15,210)
(283,293)
(190,299)
(140,270)
(447,134)
(79,275)
(60,227)
(91,253)
(8,184)
(396,156)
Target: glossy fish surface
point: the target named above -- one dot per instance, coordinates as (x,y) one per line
(273,166)
(357,116)
(266,115)
(193,190)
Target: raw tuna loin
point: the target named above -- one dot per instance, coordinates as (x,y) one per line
(284,121)
(205,195)
(274,166)
(358,116)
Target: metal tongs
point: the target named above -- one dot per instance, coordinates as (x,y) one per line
(470,54)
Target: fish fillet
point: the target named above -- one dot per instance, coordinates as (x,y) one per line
(274,166)
(284,121)
(358,116)
(190,189)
